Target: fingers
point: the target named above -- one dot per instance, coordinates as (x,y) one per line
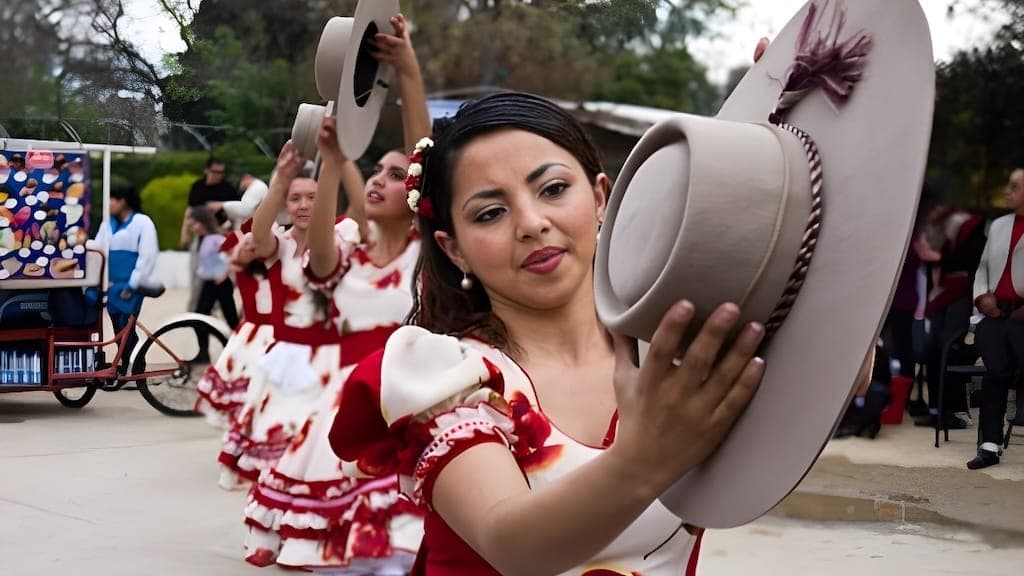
(730,368)
(668,337)
(739,395)
(762,45)
(328,132)
(382,41)
(400,25)
(701,354)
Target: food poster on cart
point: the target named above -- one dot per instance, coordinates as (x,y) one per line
(44,214)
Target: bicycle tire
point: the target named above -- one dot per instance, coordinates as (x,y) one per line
(80,402)
(179,396)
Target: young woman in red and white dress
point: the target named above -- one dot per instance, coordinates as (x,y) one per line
(307,511)
(286,383)
(509,411)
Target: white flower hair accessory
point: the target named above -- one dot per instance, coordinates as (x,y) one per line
(414,179)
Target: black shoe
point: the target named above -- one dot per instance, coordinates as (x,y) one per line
(951,421)
(870,429)
(984,459)
(851,423)
(917,408)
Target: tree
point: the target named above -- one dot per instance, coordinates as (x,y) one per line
(979,121)
(570,49)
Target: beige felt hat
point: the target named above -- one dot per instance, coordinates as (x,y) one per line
(330,56)
(308,120)
(802,220)
(327,67)
(364,81)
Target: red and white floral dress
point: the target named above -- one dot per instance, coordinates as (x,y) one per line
(287,382)
(309,511)
(223,386)
(426,398)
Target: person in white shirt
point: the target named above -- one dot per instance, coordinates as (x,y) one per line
(253,191)
(131,241)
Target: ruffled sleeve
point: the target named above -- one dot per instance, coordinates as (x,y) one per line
(346,239)
(416,405)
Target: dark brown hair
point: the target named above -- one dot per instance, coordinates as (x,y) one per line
(439,303)
(205,218)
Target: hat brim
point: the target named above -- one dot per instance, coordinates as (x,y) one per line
(873,152)
(362,94)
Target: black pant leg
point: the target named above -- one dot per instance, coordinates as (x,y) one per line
(226,299)
(900,340)
(993,343)
(204,305)
(118,321)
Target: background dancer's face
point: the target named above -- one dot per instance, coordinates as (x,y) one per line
(301,194)
(385,190)
(525,218)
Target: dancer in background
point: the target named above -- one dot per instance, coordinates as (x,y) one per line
(286,383)
(328,518)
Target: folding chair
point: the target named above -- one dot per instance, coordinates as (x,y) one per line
(966,357)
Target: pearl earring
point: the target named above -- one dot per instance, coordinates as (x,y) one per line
(467,282)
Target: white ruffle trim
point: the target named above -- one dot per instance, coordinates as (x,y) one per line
(460,423)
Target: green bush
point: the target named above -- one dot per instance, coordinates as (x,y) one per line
(165,199)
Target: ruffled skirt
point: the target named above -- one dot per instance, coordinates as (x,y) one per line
(285,388)
(307,512)
(222,388)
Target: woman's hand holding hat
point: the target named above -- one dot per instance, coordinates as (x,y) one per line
(289,165)
(396,49)
(327,142)
(673,413)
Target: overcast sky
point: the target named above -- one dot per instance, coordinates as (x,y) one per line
(157,34)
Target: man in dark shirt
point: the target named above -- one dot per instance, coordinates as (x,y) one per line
(212,190)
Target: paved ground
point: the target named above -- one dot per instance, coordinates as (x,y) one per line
(118,489)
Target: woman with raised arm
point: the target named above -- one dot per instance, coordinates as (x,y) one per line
(286,384)
(307,511)
(508,411)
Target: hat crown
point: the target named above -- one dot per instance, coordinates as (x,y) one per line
(675,230)
(307,123)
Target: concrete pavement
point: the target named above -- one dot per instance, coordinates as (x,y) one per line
(119,489)
(900,476)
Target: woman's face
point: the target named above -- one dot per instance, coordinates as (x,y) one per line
(525,218)
(385,189)
(301,194)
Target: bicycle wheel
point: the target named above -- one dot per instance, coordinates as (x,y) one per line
(75,397)
(175,394)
